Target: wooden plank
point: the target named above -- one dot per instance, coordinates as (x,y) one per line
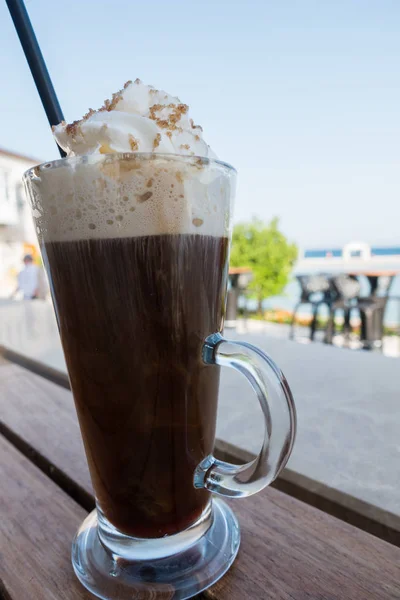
(292,551)
(34,414)
(40,368)
(289,551)
(38,521)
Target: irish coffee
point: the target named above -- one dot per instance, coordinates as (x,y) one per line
(134,227)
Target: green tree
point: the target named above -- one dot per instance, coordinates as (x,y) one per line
(266,251)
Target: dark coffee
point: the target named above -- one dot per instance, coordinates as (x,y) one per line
(133,314)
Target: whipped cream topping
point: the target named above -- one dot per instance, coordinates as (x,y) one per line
(138,118)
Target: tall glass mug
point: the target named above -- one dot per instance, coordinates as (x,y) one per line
(136,248)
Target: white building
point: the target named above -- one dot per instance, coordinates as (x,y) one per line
(17,233)
(354,257)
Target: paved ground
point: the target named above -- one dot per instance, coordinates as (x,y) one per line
(391,344)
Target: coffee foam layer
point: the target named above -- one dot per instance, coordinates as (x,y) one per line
(130,197)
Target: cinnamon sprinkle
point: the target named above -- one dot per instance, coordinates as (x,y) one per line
(179,177)
(143,197)
(170,122)
(195,126)
(134,144)
(157,141)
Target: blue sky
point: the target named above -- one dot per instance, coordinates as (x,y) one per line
(302,97)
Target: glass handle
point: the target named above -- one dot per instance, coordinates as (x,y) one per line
(278,408)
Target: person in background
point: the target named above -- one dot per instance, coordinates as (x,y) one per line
(28,279)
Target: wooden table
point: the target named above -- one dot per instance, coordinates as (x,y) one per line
(289,551)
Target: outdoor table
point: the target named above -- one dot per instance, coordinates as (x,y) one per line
(290,550)
(373,278)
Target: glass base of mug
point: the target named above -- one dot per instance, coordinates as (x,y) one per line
(136,572)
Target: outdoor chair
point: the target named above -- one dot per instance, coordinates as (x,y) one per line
(372,311)
(344,294)
(315,291)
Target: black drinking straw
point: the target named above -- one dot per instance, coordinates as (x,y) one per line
(36,62)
